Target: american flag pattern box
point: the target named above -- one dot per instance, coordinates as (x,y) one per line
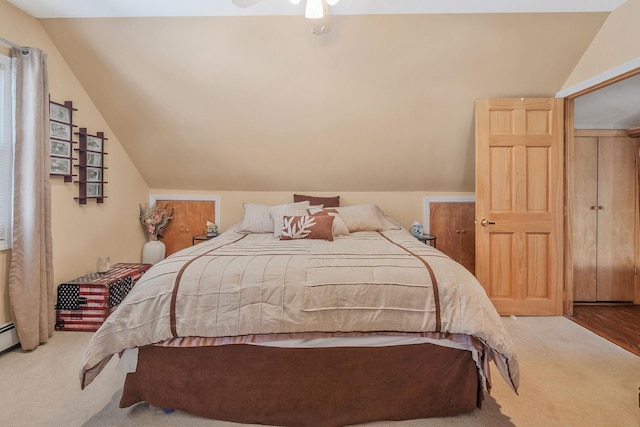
(85,302)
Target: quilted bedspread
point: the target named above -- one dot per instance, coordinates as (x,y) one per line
(244,284)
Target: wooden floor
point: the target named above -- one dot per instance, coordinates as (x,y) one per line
(619,324)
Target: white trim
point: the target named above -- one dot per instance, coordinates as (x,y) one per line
(429,200)
(155,197)
(600,78)
(8,336)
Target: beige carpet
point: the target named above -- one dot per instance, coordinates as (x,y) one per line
(570,377)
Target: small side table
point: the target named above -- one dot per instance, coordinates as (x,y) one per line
(427,239)
(200,238)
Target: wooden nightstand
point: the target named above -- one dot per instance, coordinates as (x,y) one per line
(201,238)
(427,239)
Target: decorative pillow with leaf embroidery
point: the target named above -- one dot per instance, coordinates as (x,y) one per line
(339,227)
(307,227)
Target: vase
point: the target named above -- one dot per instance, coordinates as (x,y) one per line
(153,252)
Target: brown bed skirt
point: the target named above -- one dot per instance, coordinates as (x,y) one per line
(306,387)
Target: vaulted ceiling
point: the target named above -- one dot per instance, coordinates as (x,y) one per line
(382,103)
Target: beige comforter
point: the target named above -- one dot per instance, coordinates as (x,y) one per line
(240,284)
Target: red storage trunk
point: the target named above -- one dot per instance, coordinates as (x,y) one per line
(85,303)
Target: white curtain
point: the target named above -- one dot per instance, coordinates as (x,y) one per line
(31,272)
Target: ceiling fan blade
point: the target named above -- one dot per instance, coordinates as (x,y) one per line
(245,3)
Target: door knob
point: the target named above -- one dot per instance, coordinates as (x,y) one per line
(486,223)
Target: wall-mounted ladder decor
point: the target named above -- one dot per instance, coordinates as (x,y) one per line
(90,166)
(60,139)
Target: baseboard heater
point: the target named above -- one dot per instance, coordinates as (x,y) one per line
(8,337)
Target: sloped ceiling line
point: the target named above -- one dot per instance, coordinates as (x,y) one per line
(383,103)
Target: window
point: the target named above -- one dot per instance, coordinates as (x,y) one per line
(6,153)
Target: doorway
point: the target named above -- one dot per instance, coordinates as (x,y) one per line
(607,320)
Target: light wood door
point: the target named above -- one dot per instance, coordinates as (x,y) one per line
(604,217)
(189,219)
(616,218)
(519,202)
(585,219)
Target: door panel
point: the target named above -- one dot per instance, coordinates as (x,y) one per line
(501,248)
(443,223)
(616,219)
(538,280)
(500,164)
(537,189)
(519,194)
(585,218)
(198,213)
(189,219)
(173,235)
(468,236)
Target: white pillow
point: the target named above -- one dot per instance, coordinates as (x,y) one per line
(339,226)
(256,219)
(368,217)
(290,209)
(314,209)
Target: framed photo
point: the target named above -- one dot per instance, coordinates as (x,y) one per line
(60,148)
(94,174)
(59,113)
(94,143)
(94,159)
(94,190)
(60,131)
(60,166)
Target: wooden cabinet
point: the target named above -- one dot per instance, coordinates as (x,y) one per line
(189,219)
(453,223)
(604,216)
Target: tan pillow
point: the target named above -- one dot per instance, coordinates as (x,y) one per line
(368,217)
(307,227)
(339,226)
(328,202)
(256,219)
(289,209)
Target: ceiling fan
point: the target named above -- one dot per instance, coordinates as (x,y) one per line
(316,10)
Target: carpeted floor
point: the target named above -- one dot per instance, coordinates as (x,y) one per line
(569,377)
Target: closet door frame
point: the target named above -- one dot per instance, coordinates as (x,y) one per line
(569,94)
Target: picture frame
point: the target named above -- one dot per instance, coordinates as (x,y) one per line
(94,189)
(94,174)
(60,131)
(94,159)
(59,113)
(60,166)
(94,143)
(60,148)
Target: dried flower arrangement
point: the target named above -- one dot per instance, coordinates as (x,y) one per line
(154,219)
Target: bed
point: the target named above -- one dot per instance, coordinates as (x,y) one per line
(305,315)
